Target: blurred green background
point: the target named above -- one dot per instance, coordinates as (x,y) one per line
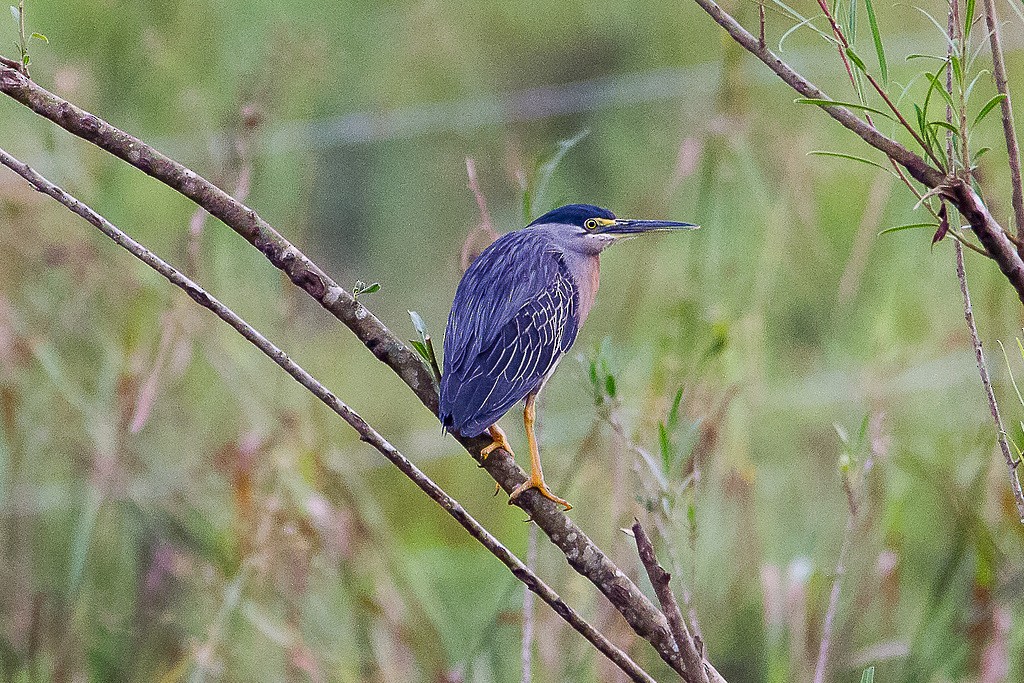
(172,507)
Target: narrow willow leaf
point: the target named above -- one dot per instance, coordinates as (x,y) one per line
(837,103)
(828,37)
(665,444)
(979,153)
(853,22)
(908,226)
(918,55)
(957,68)
(673,413)
(948,126)
(968,20)
(987,108)
(855,58)
(417,322)
(970,88)
(850,157)
(935,84)
(805,22)
(942,29)
(40,36)
(877,37)
(921,127)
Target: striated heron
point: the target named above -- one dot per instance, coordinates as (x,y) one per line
(516,312)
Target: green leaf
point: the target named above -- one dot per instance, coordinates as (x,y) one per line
(942,29)
(877,37)
(363,288)
(979,153)
(609,385)
(989,106)
(666,448)
(908,226)
(918,55)
(805,22)
(837,103)
(968,20)
(868,676)
(417,322)
(855,58)
(921,126)
(673,413)
(941,89)
(421,349)
(40,36)
(944,124)
(852,32)
(970,88)
(958,71)
(850,157)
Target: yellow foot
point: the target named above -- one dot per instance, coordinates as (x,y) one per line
(500,441)
(542,489)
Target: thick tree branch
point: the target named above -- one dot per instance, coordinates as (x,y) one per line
(580,551)
(365,431)
(959,193)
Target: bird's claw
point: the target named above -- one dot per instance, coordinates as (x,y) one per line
(499,442)
(542,489)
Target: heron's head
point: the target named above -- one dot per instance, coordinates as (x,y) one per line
(590,229)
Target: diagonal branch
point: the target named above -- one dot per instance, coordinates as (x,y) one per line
(365,431)
(955,190)
(580,551)
(697,669)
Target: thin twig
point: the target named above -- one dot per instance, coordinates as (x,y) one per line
(580,551)
(1006,107)
(695,667)
(825,645)
(365,431)
(979,355)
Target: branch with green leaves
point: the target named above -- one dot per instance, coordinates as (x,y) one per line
(939,182)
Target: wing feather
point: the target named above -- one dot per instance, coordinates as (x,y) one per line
(515,314)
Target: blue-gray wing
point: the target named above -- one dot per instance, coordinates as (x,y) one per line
(514,316)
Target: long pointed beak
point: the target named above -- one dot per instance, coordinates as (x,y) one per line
(628,226)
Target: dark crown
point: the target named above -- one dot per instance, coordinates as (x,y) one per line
(574,214)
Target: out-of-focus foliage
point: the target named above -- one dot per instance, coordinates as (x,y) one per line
(174,508)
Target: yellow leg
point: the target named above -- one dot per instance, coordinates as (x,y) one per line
(536,480)
(499,441)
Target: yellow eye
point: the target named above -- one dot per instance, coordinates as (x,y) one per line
(590,224)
